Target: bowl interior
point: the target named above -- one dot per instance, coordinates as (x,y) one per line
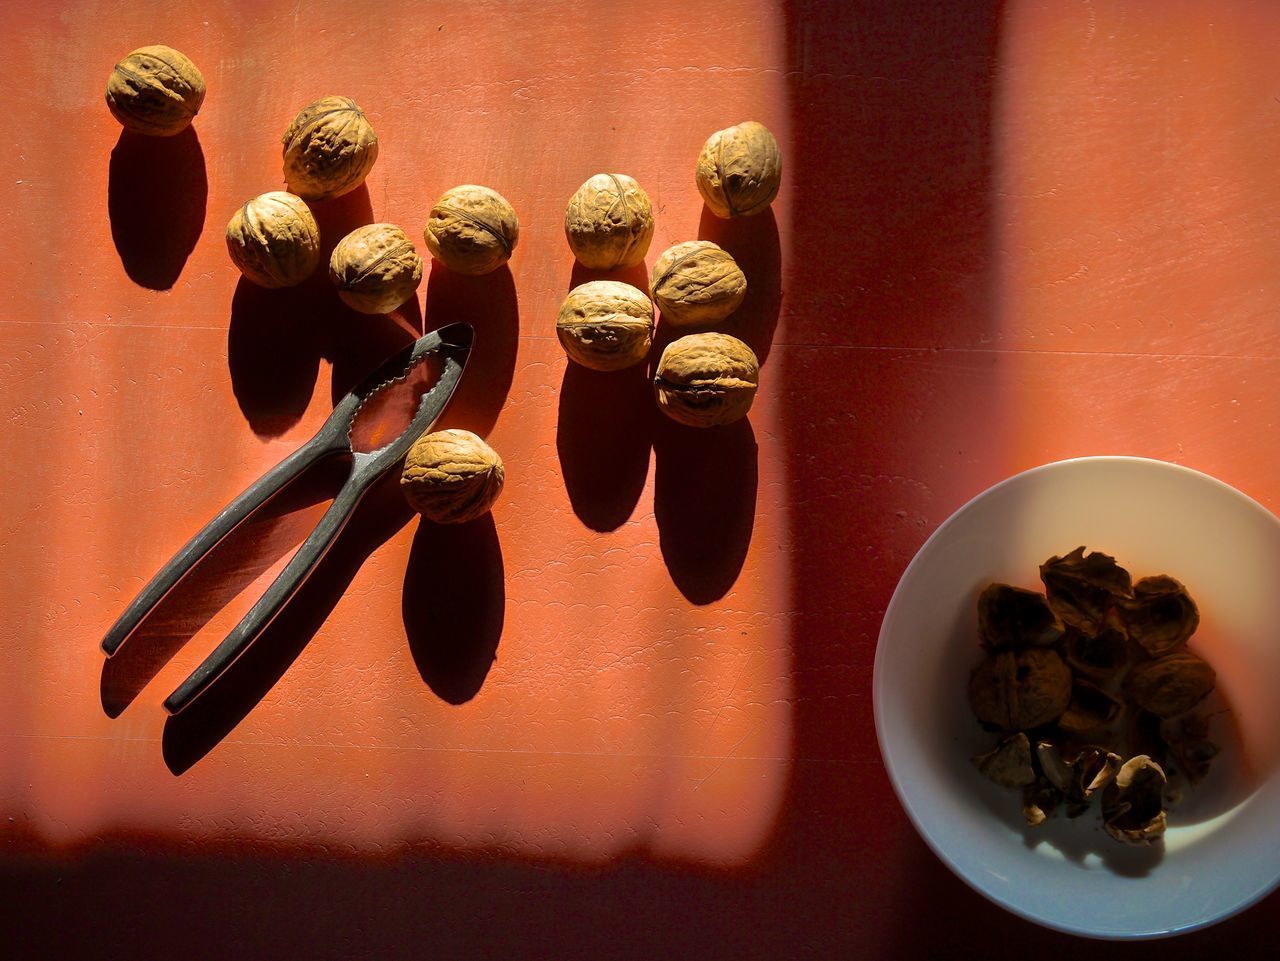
(1222,849)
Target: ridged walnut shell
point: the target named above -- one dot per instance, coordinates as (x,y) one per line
(697,283)
(472,230)
(274,240)
(739,170)
(609,222)
(1171,685)
(1020,690)
(156,91)
(451,476)
(328,149)
(706,379)
(375,268)
(606,325)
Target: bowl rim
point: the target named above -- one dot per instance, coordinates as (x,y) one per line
(889,617)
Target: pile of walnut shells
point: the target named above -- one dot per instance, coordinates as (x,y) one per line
(1093,690)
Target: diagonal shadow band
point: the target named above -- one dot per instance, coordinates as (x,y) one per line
(191,735)
(157,191)
(454,605)
(753,243)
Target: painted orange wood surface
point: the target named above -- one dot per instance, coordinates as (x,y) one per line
(630,713)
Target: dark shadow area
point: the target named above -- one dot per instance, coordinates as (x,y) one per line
(704,501)
(366,340)
(753,243)
(637,276)
(274,530)
(603,436)
(157,190)
(191,735)
(489,304)
(454,605)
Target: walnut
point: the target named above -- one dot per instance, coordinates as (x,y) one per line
(1091,709)
(1012,617)
(274,240)
(1082,590)
(609,222)
(472,230)
(1102,656)
(375,268)
(739,170)
(451,476)
(328,149)
(155,90)
(1133,803)
(706,379)
(1173,684)
(1162,615)
(697,283)
(1020,690)
(1009,765)
(606,325)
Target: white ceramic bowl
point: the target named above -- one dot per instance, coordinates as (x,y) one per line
(1222,850)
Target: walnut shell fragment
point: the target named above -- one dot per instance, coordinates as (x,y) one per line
(1040,800)
(375,268)
(1020,690)
(1077,777)
(606,325)
(1133,804)
(329,149)
(274,240)
(1162,616)
(1188,740)
(1101,656)
(697,282)
(704,380)
(1082,589)
(609,222)
(472,230)
(1091,709)
(451,476)
(1015,618)
(1171,685)
(739,170)
(156,91)
(1009,764)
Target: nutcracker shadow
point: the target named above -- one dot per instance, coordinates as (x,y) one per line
(191,735)
(753,243)
(454,605)
(157,191)
(489,304)
(603,437)
(704,501)
(273,531)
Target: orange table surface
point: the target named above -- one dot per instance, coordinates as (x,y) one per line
(630,712)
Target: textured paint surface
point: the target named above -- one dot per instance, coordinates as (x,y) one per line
(1008,233)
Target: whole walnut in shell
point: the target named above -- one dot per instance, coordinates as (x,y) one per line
(606,325)
(274,240)
(739,170)
(472,230)
(706,379)
(609,222)
(375,268)
(697,283)
(1019,690)
(451,476)
(328,149)
(155,90)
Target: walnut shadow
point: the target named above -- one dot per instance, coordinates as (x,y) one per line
(603,436)
(637,276)
(188,737)
(488,303)
(454,605)
(705,503)
(271,532)
(157,191)
(753,243)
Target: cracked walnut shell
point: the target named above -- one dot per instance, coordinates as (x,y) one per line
(155,91)
(274,240)
(375,268)
(697,283)
(609,222)
(472,230)
(1017,691)
(706,379)
(739,170)
(328,149)
(606,325)
(451,476)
